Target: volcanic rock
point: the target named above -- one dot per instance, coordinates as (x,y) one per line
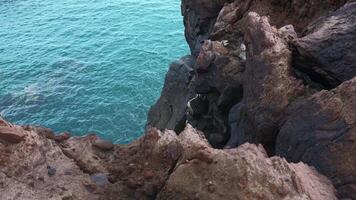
(102,144)
(62,137)
(233,174)
(327,52)
(11,134)
(169,111)
(321,131)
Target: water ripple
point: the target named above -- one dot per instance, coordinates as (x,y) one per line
(86,65)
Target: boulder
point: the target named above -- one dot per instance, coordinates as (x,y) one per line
(159,165)
(102,144)
(11,134)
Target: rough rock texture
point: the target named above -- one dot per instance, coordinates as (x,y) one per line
(156,166)
(135,171)
(169,111)
(321,131)
(269,85)
(216,32)
(243,173)
(268,82)
(257,63)
(36,168)
(328,51)
(199,19)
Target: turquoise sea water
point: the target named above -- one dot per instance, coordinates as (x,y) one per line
(86,65)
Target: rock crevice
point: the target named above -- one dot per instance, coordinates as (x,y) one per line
(263,108)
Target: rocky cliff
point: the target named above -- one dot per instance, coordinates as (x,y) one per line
(263,108)
(276,73)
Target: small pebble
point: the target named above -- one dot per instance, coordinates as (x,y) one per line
(51,170)
(99,179)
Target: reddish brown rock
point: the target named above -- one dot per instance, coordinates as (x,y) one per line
(62,137)
(36,168)
(269,85)
(11,134)
(242,173)
(158,165)
(103,144)
(46,132)
(206,89)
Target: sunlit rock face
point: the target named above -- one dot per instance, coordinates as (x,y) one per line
(159,165)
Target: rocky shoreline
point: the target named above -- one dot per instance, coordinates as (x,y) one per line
(263,108)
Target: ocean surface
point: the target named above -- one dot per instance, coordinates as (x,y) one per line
(86,65)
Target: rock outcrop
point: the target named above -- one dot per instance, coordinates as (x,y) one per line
(327,51)
(36,168)
(321,131)
(243,173)
(159,165)
(263,108)
(269,85)
(170,110)
(259,65)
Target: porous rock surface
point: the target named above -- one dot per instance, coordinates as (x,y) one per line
(159,165)
(276,73)
(321,131)
(263,108)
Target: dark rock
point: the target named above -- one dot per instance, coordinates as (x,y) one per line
(235,127)
(327,53)
(169,111)
(230,96)
(197,106)
(100,179)
(51,170)
(199,21)
(321,131)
